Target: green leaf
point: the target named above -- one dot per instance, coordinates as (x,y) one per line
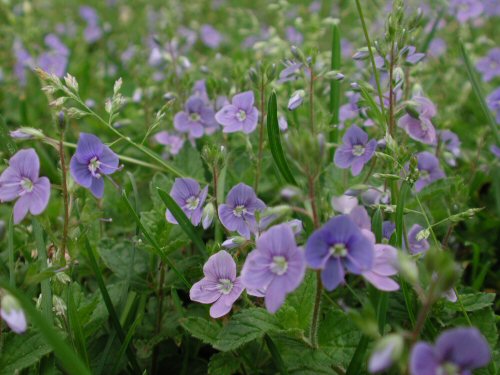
(339,337)
(485,321)
(359,356)
(21,351)
(473,301)
(6,142)
(273,133)
(118,257)
(204,330)
(75,326)
(45,284)
(298,308)
(224,364)
(300,358)
(244,327)
(67,357)
(183,221)
(275,355)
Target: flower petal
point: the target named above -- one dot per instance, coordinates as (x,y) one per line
(88,146)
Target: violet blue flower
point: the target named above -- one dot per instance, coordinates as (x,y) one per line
(296,99)
(418,125)
(437,47)
(356,150)
(495,150)
(187,194)
(91,161)
(21,180)
(238,213)
(337,246)
(384,265)
(23,61)
(196,119)
(276,265)
(465,10)
(282,123)
(12,313)
(293,35)
(411,56)
(210,36)
(489,66)
(344,203)
(55,60)
(417,245)
(240,115)
(220,285)
(92,32)
(291,71)
(493,101)
(200,89)
(173,143)
(456,351)
(430,171)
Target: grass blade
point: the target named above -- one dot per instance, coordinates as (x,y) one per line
(45,284)
(109,304)
(153,242)
(6,142)
(76,329)
(183,221)
(479,92)
(273,133)
(67,357)
(10,249)
(357,358)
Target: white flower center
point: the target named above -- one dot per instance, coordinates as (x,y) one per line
(192,202)
(27,184)
(239,210)
(94,165)
(241,115)
(338,250)
(194,117)
(279,266)
(448,368)
(225,286)
(358,150)
(424,174)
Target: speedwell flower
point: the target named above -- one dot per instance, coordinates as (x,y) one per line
(418,125)
(356,150)
(187,194)
(240,115)
(429,169)
(196,119)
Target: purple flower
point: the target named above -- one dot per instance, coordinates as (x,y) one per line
(465,10)
(172,142)
(200,89)
(428,166)
(210,36)
(23,61)
(196,119)
(384,266)
(91,161)
(356,150)
(489,66)
(293,35)
(412,57)
(418,125)
(296,99)
(92,32)
(220,285)
(344,203)
(451,144)
(437,47)
(495,150)
(339,244)
(12,313)
(187,194)
(276,266)
(21,180)
(493,101)
(238,213)
(240,115)
(291,71)
(417,244)
(457,351)
(55,60)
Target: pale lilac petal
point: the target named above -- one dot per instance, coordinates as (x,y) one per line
(80,172)
(26,163)
(181,122)
(275,294)
(205,291)
(381,282)
(333,274)
(15,319)
(220,266)
(343,157)
(227,116)
(255,272)
(227,218)
(21,208)
(88,146)
(244,101)
(250,123)
(109,161)
(39,196)
(10,186)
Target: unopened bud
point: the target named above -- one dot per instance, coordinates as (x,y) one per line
(387,351)
(207,215)
(233,242)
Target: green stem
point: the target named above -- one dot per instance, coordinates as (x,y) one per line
(372,59)
(10,246)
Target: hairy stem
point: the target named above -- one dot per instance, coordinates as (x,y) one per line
(261,134)
(65,195)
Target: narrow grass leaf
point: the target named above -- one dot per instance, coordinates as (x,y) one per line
(45,284)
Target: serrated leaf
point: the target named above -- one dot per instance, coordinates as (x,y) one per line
(473,301)
(338,336)
(204,330)
(6,142)
(244,327)
(224,364)
(21,351)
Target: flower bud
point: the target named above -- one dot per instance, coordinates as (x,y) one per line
(296,99)
(334,75)
(386,352)
(12,313)
(61,121)
(207,215)
(271,72)
(298,54)
(233,242)
(254,76)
